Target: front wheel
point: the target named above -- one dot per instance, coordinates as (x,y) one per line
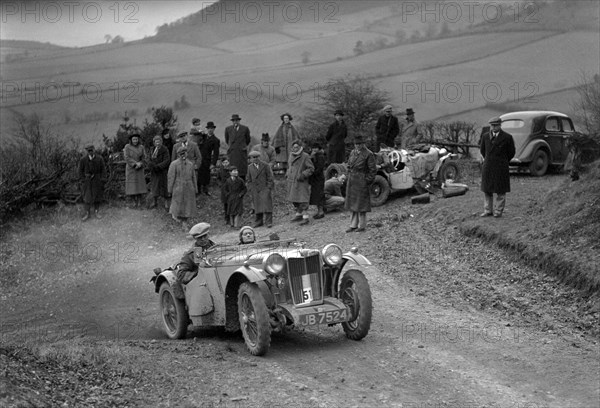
(175,317)
(254,319)
(356,294)
(539,164)
(379,191)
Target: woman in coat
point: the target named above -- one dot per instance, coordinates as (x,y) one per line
(260,184)
(135,158)
(282,141)
(300,168)
(235,189)
(159,162)
(317,180)
(361,173)
(183,186)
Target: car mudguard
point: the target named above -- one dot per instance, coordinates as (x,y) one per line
(165,276)
(531,148)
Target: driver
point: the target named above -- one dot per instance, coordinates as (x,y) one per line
(187,268)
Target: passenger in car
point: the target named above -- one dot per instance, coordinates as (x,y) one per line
(247,235)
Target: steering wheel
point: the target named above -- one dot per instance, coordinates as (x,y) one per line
(395,158)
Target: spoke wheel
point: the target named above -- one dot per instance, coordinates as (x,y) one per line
(254,319)
(356,294)
(379,191)
(174,316)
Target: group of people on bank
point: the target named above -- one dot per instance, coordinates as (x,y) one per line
(181,170)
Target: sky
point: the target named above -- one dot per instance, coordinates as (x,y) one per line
(75,23)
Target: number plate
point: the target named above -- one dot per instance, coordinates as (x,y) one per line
(334,316)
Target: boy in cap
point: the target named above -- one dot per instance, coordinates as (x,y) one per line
(187,268)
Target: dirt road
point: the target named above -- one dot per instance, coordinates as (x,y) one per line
(427,347)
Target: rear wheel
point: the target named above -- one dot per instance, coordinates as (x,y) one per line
(539,164)
(379,191)
(448,171)
(356,294)
(254,319)
(175,317)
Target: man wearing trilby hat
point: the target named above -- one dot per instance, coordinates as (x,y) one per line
(497,149)
(336,139)
(361,174)
(237,137)
(209,146)
(267,152)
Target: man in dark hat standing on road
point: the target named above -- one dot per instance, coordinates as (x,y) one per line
(91,173)
(362,170)
(336,139)
(497,149)
(237,137)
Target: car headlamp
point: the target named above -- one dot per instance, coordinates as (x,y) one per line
(332,254)
(274,264)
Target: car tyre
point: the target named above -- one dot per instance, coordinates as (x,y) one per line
(335,169)
(174,315)
(539,164)
(448,171)
(379,191)
(254,319)
(356,294)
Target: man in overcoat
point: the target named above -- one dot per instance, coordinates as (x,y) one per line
(237,137)
(260,185)
(411,133)
(91,174)
(387,128)
(497,149)
(317,180)
(158,164)
(300,168)
(183,187)
(193,152)
(361,174)
(336,139)
(209,146)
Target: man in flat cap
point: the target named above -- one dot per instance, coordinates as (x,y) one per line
(91,173)
(260,185)
(497,149)
(336,139)
(386,129)
(237,137)
(187,268)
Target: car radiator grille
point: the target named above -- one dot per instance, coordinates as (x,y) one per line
(305,279)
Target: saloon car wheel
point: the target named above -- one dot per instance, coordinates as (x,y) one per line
(379,191)
(448,171)
(254,319)
(356,294)
(539,164)
(175,317)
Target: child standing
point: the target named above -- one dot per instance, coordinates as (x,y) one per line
(235,189)
(223,176)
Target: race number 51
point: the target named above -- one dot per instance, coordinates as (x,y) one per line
(307,295)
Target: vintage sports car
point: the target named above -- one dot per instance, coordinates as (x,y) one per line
(269,286)
(401,170)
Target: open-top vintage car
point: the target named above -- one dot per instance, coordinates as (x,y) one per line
(402,170)
(267,287)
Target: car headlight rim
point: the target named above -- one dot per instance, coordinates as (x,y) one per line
(332,254)
(274,264)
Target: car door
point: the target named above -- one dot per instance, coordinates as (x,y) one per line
(568,130)
(554,137)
